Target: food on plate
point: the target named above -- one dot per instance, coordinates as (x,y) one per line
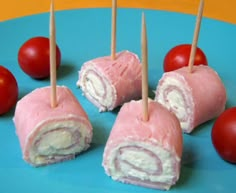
(8,90)
(48,135)
(194,97)
(224,135)
(33,57)
(145,153)
(178,57)
(109,83)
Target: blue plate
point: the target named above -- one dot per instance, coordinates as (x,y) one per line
(83,35)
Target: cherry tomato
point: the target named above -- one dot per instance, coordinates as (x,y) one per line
(178,57)
(224,135)
(8,90)
(33,57)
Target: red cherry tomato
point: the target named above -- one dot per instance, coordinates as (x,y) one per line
(178,57)
(33,57)
(8,90)
(224,135)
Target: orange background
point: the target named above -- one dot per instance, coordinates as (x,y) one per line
(218,9)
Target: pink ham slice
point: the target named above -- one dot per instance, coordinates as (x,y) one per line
(109,83)
(144,153)
(49,135)
(194,97)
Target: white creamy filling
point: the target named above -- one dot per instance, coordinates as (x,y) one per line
(140,162)
(55,138)
(176,102)
(173,99)
(143,161)
(140,159)
(54,141)
(97,87)
(94,86)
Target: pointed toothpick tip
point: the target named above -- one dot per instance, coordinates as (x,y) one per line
(195,36)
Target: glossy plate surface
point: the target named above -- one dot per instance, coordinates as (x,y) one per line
(83,35)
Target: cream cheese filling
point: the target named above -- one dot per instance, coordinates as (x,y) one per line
(54,141)
(173,99)
(97,87)
(58,139)
(140,160)
(145,165)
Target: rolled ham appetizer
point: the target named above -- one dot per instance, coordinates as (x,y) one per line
(48,135)
(109,83)
(194,97)
(144,153)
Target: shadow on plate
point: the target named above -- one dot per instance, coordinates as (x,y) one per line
(189,159)
(100,136)
(66,69)
(203,129)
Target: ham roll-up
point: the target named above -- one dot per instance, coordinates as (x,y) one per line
(48,135)
(109,83)
(144,153)
(194,97)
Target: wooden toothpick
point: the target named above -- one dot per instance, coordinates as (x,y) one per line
(113,30)
(195,37)
(52,57)
(144,69)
